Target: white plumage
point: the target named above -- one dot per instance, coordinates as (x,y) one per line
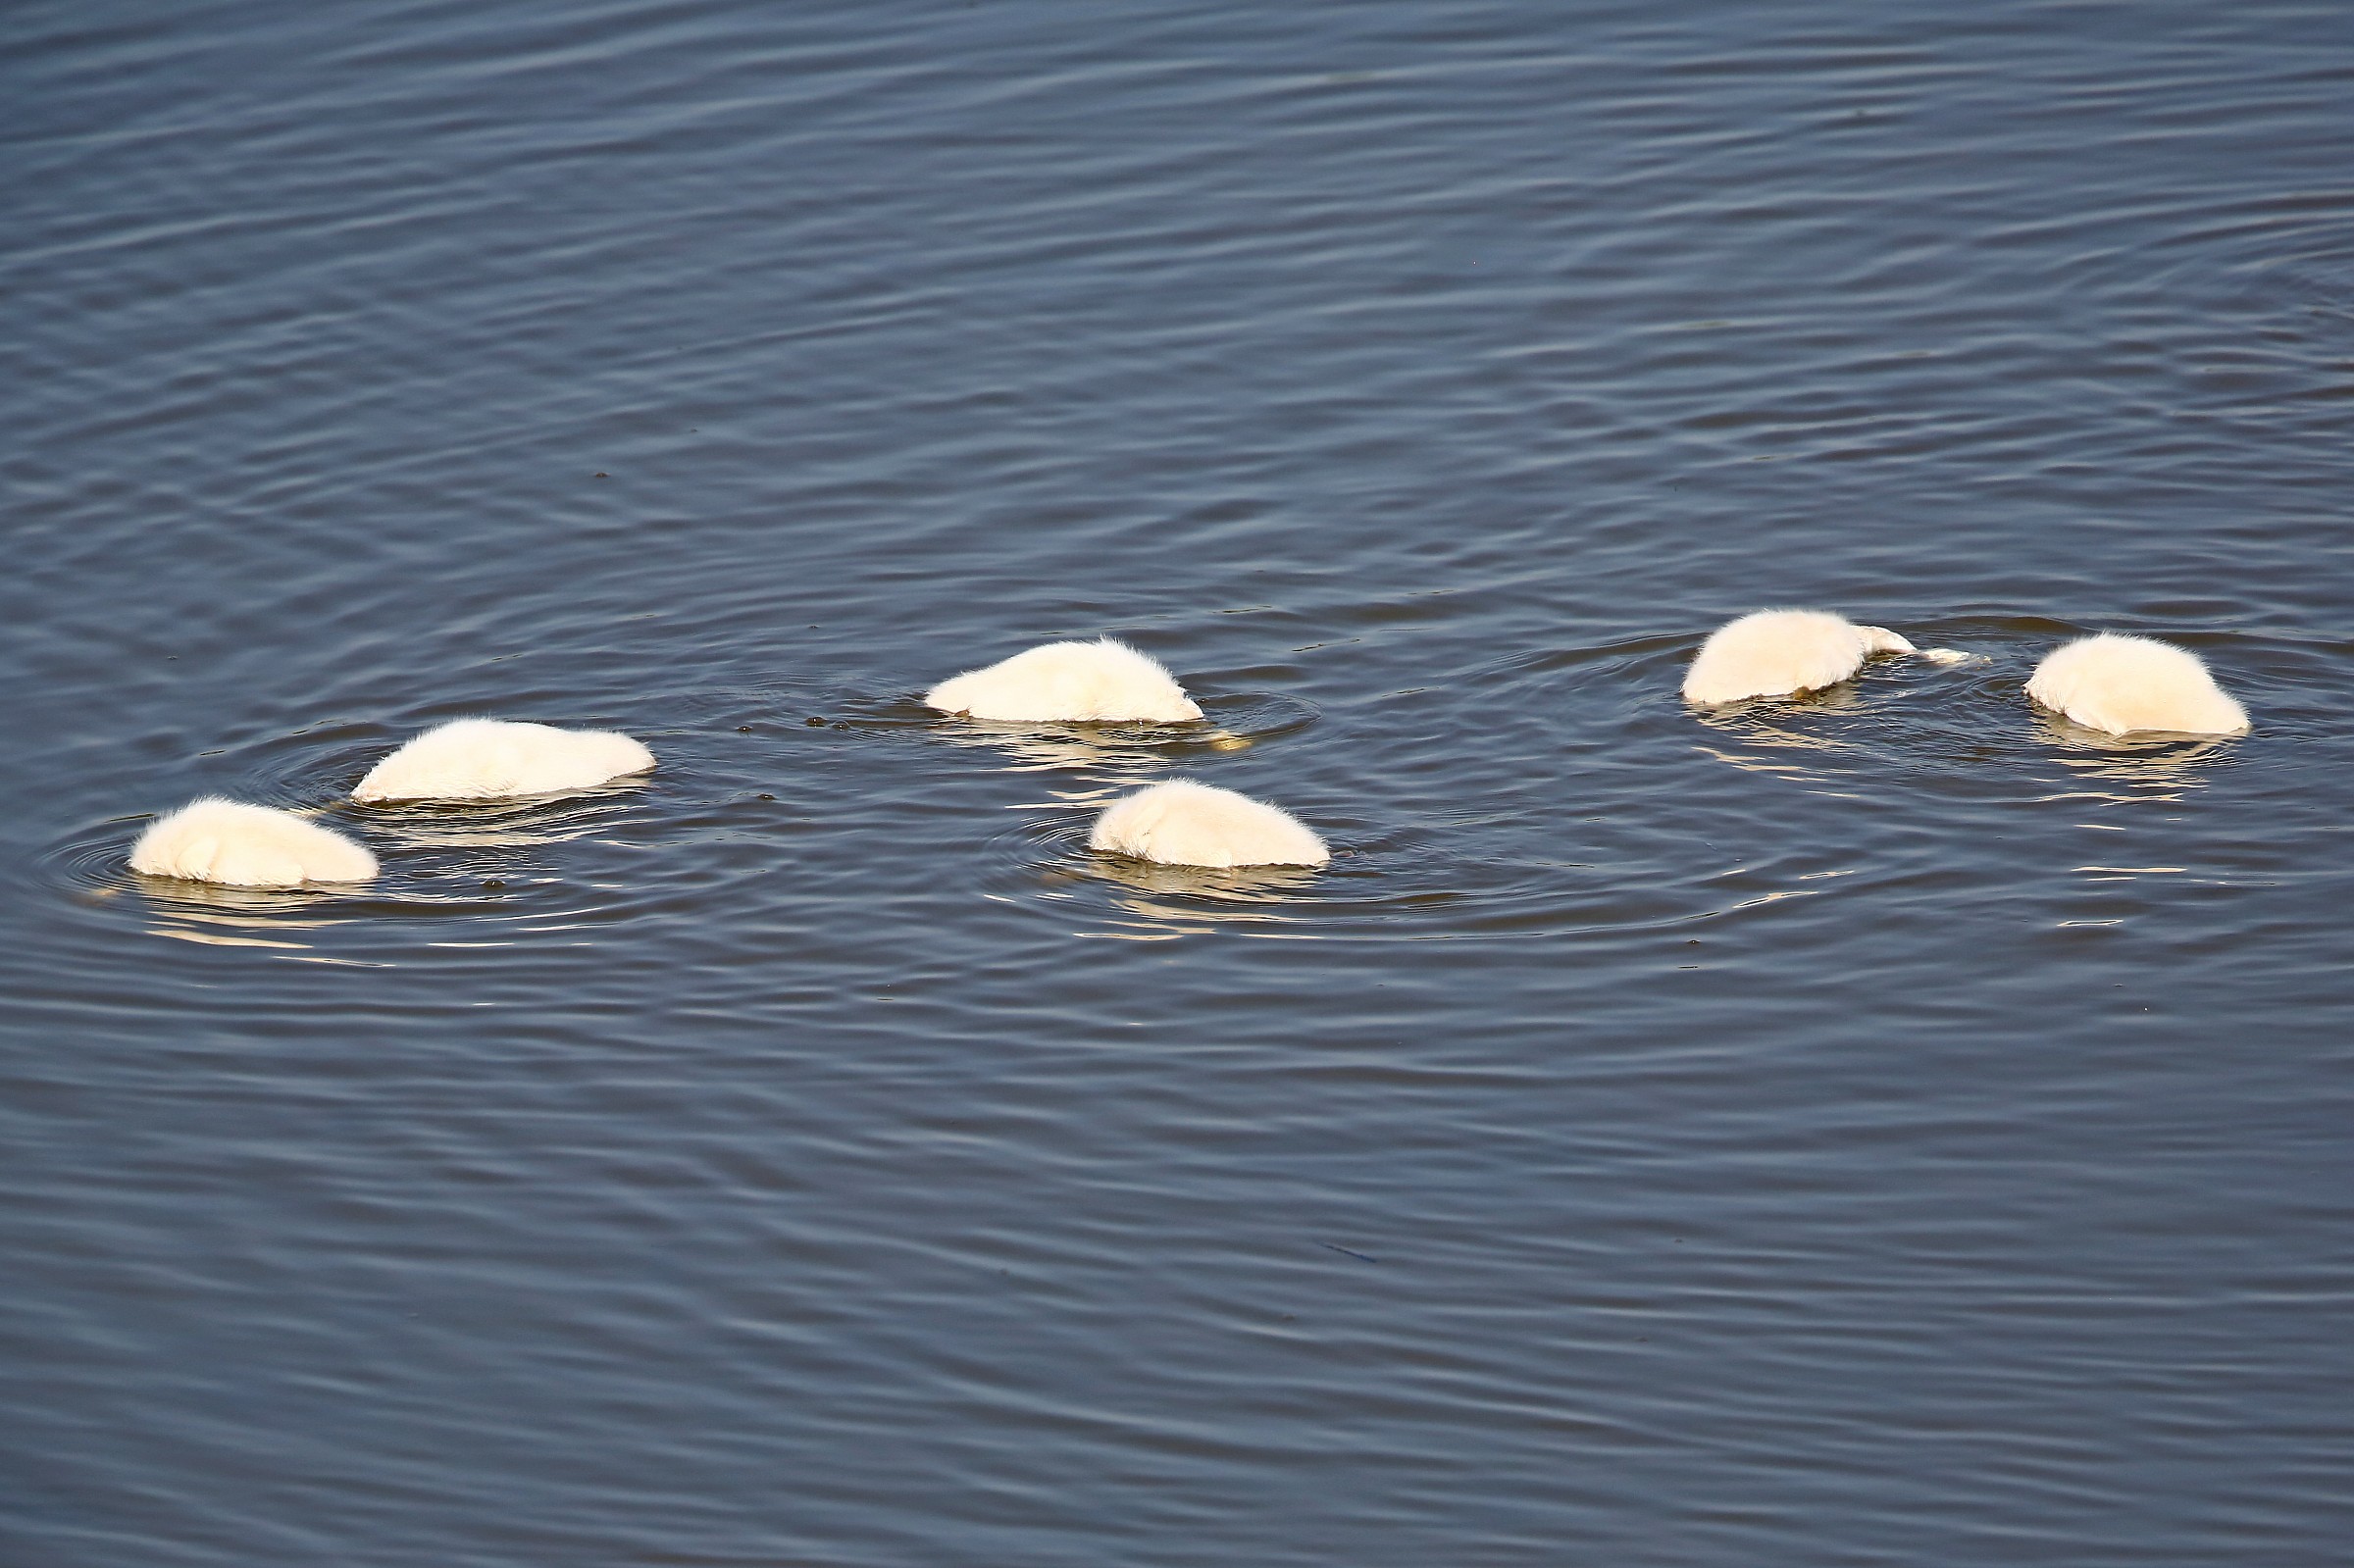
(2120,684)
(1185,824)
(247,846)
(489,759)
(1775,653)
(1072,682)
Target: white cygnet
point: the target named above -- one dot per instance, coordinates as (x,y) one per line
(247,846)
(489,759)
(2120,684)
(1186,824)
(1776,653)
(1071,682)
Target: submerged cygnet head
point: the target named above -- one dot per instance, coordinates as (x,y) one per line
(489,759)
(1106,682)
(239,845)
(1776,653)
(2120,684)
(1186,824)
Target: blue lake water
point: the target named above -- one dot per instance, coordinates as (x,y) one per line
(1892,1128)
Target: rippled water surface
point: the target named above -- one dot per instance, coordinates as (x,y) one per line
(1893,1128)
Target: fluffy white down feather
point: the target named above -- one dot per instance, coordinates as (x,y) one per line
(239,845)
(489,759)
(1776,653)
(1186,824)
(2121,684)
(1071,682)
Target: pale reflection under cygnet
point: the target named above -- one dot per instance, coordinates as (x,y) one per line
(1763,711)
(499,825)
(220,916)
(1038,748)
(1231,722)
(1754,723)
(1193,901)
(210,914)
(1131,750)
(2140,767)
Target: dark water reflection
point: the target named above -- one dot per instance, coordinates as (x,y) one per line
(1892,1128)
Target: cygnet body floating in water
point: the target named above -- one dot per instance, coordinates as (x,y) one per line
(1186,824)
(489,759)
(2120,684)
(238,845)
(1775,653)
(1072,682)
